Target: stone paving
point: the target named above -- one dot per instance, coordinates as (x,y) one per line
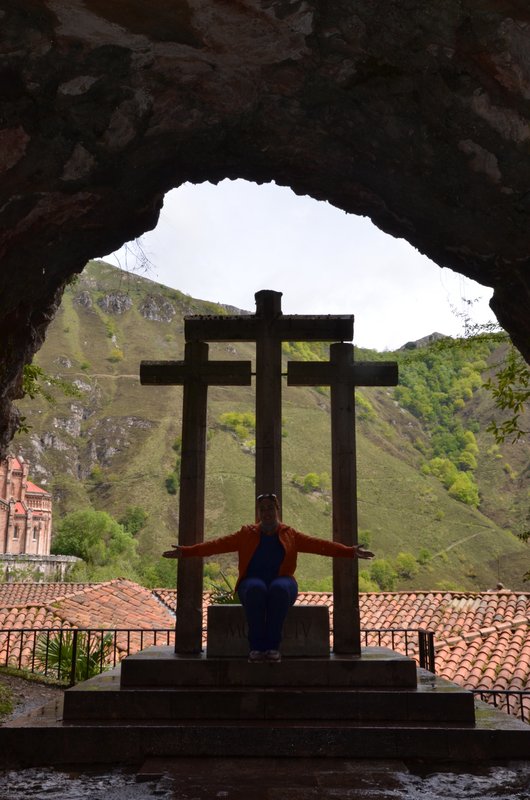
(286,779)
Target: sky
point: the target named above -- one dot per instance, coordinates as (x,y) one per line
(224,243)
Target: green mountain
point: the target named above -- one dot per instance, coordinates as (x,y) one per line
(439,502)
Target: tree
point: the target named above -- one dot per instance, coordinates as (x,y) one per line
(406,565)
(510,389)
(133,519)
(384,574)
(96,537)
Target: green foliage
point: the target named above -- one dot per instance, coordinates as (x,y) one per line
(424,556)
(406,565)
(465,489)
(223,591)
(241,425)
(364,538)
(55,654)
(383,574)
(110,328)
(6,701)
(36,383)
(116,355)
(134,519)
(510,389)
(363,408)
(313,482)
(172,482)
(95,537)
(435,384)
(306,351)
(367,585)
(158,574)
(97,475)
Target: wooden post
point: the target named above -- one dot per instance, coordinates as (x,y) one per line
(342,375)
(195,373)
(269,327)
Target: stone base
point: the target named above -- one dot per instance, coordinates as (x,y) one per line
(161,667)
(159,704)
(305,632)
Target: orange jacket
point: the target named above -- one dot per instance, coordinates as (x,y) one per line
(245,541)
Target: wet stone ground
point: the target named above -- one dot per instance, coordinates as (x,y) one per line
(215,779)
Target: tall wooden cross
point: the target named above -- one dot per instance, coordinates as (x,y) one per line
(343,375)
(269,327)
(195,373)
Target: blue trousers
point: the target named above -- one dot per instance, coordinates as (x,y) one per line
(266,606)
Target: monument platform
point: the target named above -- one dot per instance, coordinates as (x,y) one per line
(161,705)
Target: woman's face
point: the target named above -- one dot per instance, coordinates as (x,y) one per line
(267,512)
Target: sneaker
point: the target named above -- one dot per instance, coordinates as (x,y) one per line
(256,655)
(273,655)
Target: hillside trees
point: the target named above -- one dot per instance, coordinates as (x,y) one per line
(436,383)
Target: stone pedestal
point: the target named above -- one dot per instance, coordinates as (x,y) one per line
(305,632)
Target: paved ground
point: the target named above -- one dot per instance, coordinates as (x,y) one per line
(252,779)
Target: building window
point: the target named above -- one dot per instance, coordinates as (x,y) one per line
(35,533)
(15,532)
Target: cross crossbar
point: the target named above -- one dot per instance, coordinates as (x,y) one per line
(210,373)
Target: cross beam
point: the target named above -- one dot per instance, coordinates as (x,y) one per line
(195,373)
(269,327)
(342,376)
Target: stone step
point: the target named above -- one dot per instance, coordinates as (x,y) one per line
(433,700)
(161,667)
(41,738)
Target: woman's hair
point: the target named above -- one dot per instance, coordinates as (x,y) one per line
(267,496)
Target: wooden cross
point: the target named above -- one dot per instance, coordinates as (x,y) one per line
(195,373)
(343,375)
(268,327)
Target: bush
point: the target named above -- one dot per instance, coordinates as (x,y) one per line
(383,574)
(406,565)
(465,489)
(54,654)
(172,483)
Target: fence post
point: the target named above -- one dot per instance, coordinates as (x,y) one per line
(74,658)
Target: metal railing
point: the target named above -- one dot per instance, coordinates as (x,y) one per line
(71,655)
(417,643)
(515,702)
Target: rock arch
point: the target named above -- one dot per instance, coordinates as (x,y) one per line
(415,114)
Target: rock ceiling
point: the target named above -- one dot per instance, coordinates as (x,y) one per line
(414,113)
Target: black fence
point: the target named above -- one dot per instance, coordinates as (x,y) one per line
(414,642)
(71,655)
(515,702)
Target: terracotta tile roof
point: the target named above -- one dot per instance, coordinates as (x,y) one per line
(20,509)
(113,604)
(32,488)
(482,640)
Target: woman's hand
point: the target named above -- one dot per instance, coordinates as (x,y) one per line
(361,552)
(175,553)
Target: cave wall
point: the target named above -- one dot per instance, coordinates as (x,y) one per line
(414,113)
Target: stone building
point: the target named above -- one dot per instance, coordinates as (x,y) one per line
(25,511)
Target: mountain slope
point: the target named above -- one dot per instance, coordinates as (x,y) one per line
(113,446)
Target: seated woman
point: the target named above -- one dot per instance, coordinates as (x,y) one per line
(267,562)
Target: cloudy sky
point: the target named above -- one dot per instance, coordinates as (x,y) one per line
(224,243)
